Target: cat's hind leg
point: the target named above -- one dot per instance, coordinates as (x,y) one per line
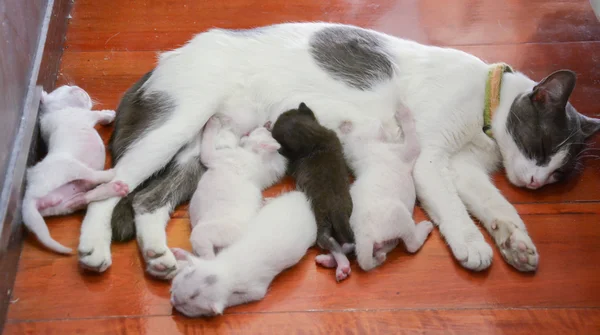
(150,152)
(327,242)
(418,234)
(152,207)
(206,238)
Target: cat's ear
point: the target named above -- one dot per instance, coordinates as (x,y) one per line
(303,108)
(589,125)
(554,90)
(217,308)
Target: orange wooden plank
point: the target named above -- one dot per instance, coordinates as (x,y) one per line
(52,287)
(571,321)
(161,25)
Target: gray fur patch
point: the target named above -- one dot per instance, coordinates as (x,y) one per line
(137,113)
(352,55)
(175,184)
(210,280)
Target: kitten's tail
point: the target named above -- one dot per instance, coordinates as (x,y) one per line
(405,119)
(34,221)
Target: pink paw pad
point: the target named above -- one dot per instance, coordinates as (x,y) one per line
(326,260)
(342,273)
(120,188)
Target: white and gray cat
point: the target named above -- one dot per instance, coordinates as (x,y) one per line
(349,73)
(229,193)
(67,179)
(281,233)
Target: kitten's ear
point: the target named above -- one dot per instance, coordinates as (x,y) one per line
(554,90)
(589,125)
(217,308)
(303,108)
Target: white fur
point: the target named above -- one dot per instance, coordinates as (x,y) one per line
(383,194)
(273,71)
(230,192)
(66,179)
(281,233)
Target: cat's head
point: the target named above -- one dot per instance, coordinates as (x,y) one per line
(199,287)
(64,97)
(544,133)
(298,131)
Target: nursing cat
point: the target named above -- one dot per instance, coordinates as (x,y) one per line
(348,73)
(72,173)
(230,191)
(281,233)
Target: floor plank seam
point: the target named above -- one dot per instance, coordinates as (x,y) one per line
(352,310)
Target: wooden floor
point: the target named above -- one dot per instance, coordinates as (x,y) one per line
(110,44)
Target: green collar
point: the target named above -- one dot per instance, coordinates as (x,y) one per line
(492,94)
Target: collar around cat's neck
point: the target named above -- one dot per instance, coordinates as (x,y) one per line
(492,94)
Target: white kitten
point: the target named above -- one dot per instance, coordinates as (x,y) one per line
(383,194)
(230,192)
(281,233)
(66,179)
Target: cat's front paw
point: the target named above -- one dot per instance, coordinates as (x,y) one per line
(160,263)
(470,249)
(94,255)
(516,246)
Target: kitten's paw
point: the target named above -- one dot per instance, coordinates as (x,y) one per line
(474,255)
(342,272)
(107,116)
(120,188)
(326,260)
(518,249)
(94,255)
(160,263)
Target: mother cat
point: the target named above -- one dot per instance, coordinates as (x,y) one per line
(344,73)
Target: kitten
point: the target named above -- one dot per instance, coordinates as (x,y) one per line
(316,161)
(383,193)
(281,233)
(66,179)
(230,191)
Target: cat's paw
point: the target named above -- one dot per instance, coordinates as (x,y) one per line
(342,272)
(326,260)
(107,116)
(161,263)
(518,249)
(120,188)
(471,250)
(94,255)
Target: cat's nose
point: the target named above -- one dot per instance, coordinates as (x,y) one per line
(534,183)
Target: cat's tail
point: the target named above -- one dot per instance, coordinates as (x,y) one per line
(412,149)
(34,221)
(122,220)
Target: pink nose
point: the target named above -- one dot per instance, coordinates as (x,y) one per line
(533,183)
